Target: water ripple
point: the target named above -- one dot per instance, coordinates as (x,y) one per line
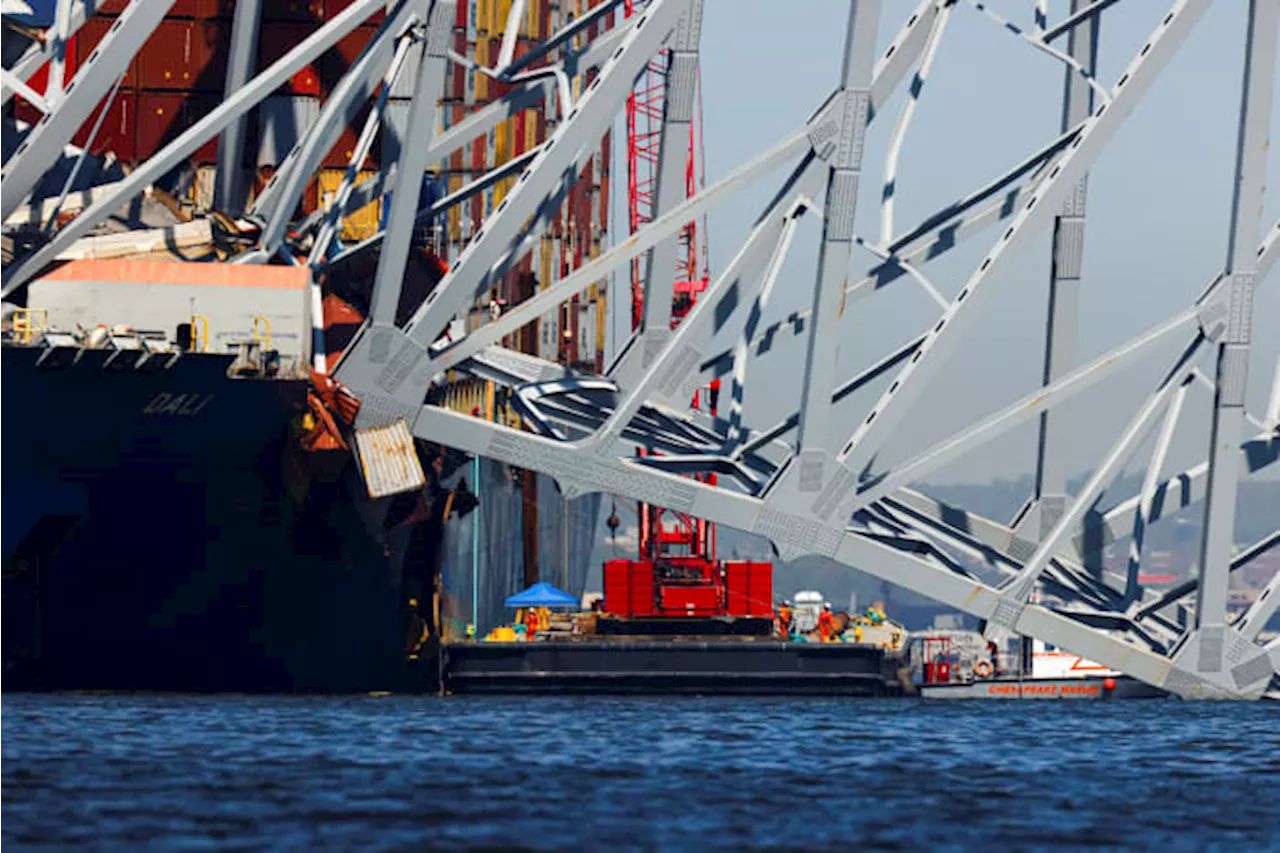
(404,773)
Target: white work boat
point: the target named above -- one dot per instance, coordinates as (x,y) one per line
(1053,674)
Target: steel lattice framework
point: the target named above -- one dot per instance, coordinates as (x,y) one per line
(811,482)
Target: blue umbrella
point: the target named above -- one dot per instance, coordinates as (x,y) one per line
(542,595)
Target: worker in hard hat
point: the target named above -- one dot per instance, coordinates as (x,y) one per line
(531,622)
(784,619)
(826,623)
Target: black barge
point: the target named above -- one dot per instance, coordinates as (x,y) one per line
(738,666)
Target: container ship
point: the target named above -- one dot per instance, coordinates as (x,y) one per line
(187,504)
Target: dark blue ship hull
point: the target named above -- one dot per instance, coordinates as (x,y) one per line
(162,531)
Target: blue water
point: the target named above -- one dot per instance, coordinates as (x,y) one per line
(408,773)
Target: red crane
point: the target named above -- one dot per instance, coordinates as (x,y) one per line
(677,573)
(645,111)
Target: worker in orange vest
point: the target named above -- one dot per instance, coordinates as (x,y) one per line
(530,623)
(784,618)
(826,623)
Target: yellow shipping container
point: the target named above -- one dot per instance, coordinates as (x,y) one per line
(482,58)
(361,224)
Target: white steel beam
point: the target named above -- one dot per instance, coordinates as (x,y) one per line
(736,433)
(414,154)
(579,473)
(1064,281)
(510,33)
(442,144)
(889,71)
(837,133)
(40,50)
(280,196)
(58,62)
(334,209)
(43,145)
(1081,12)
(512,167)
(1014,596)
(1142,515)
(578,280)
(887,413)
(1172,495)
(470,275)
(679,358)
(1028,407)
(935,236)
(1233,348)
(889,191)
(1260,612)
(229,186)
(1272,419)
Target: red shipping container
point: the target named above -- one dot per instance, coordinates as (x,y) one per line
(87,39)
(278,39)
(339,155)
(186,55)
(300,11)
(199,106)
(163,116)
(118,133)
(338,61)
(204,9)
(333,7)
(181,8)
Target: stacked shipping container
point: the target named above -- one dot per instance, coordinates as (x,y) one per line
(179,75)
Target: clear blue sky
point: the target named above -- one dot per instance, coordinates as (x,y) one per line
(1159,201)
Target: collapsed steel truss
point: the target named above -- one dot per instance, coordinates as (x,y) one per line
(810,483)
